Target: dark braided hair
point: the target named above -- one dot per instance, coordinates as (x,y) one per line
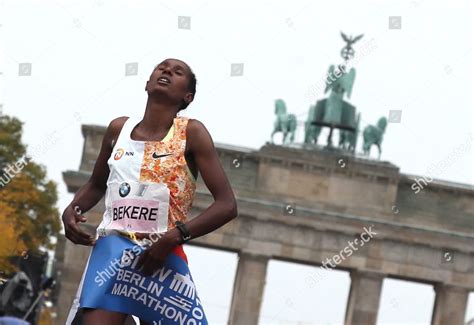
(191,88)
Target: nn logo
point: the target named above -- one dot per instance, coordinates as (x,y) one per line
(120,152)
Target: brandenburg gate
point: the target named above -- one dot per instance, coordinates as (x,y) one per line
(303,206)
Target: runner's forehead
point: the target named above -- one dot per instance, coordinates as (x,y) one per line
(175,62)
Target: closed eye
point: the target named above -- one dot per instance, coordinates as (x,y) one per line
(177,70)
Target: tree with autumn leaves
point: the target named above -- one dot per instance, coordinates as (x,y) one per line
(28,213)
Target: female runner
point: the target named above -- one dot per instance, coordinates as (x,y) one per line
(147,170)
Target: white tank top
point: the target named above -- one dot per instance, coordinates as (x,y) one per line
(150,186)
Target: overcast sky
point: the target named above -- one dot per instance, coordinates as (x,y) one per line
(64,64)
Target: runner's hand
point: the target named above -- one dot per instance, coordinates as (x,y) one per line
(71,218)
(154,257)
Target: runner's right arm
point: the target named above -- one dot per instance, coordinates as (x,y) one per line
(91,192)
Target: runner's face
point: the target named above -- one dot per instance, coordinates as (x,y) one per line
(171,77)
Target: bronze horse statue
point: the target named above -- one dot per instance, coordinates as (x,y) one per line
(285,122)
(311,131)
(348,139)
(373,135)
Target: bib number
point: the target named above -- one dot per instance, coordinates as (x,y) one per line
(137,207)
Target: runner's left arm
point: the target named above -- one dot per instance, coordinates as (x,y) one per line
(224,207)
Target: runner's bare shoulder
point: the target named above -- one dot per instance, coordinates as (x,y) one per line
(115,126)
(100,172)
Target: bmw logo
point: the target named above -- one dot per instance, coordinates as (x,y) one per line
(124,189)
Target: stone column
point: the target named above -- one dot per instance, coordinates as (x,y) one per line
(450,305)
(248,289)
(364,298)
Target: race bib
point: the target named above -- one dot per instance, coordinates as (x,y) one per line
(136,207)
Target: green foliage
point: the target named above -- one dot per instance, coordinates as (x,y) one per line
(11,148)
(28,213)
